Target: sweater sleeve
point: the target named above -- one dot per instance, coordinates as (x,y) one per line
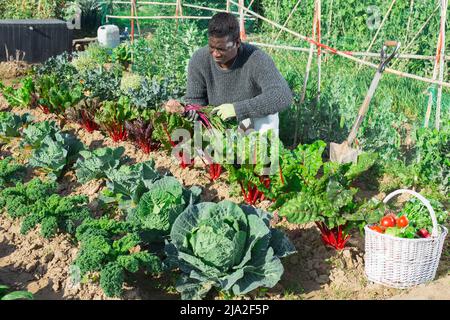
(275,92)
(196,92)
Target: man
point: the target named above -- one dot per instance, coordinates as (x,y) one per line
(238,78)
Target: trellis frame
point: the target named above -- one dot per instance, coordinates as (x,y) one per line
(245,13)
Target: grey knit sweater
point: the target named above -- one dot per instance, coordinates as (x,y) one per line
(253,84)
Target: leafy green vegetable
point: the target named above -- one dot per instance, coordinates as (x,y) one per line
(34,133)
(160,206)
(112,247)
(97,163)
(55,153)
(11,123)
(24,96)
(15,295)
(10,172)
(225,246)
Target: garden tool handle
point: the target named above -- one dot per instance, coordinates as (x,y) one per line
(385,59)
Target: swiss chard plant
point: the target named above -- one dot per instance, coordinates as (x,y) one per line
(226,247)
(24,96)
(160,206)
(140,128)
(112,116)
(97,163)
(327,198)
(112,248)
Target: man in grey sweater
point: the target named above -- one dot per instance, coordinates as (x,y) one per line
(239,79)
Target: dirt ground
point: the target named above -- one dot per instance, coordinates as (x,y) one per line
(315,272)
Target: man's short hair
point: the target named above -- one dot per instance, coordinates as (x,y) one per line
(224,24)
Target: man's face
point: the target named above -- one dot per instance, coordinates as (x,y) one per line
(223,49)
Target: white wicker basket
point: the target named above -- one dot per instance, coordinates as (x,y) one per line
(399,262)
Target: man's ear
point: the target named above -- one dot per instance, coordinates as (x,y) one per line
(238,43)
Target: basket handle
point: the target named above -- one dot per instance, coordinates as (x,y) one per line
(434,233)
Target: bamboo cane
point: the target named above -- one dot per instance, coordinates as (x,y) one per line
(417,34)
(411,7)
(308,69)
(379,28)
(441,63)
(353,53)
(228,6)
(241,21)
(319,55)
(287,20)
(435,72)
(344,54)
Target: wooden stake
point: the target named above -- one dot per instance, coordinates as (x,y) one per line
(319,53)
(228,5)
(435,70)
(411,7)
(308,69)
(241,21)
(444,8)
(330,21)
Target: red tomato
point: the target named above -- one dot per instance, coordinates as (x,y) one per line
(377,229)
(402,222)
(387,221)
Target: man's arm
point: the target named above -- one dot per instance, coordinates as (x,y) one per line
(275,92)
(196,92)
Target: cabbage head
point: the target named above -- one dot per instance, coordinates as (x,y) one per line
(229,247)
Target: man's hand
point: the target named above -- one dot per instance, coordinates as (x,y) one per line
(225,111)
(173,106)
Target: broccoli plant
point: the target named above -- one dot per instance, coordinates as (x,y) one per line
(96,164)
(112,248)
(127,184)
(227,247)
(10,124)
(10,172)
(34,133)
(55,153)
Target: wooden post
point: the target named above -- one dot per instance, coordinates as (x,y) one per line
(132,21)
(436,69)
(241,21)
(228,5)
(444,4)
(308,69)
(319,53)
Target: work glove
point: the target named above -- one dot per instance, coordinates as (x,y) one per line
(225,111)
(191,115)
